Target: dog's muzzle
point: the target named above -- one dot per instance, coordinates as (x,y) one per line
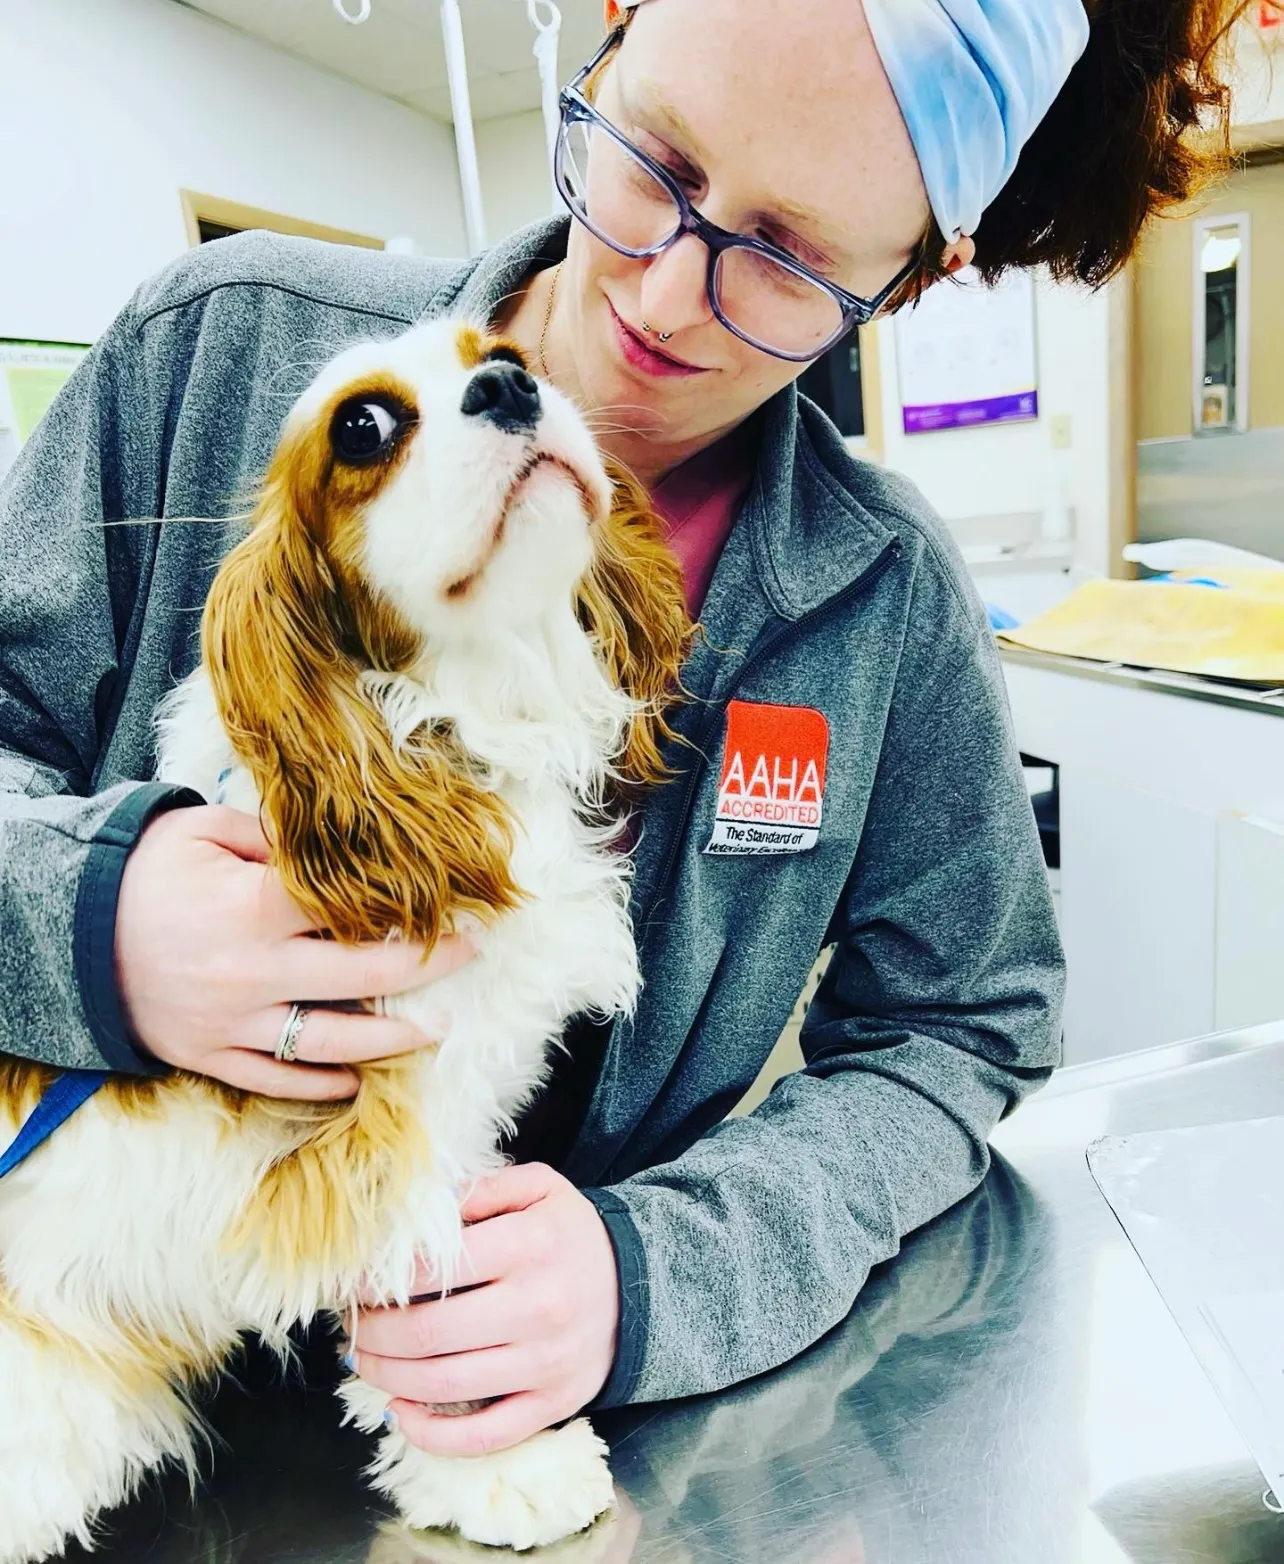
(504,395)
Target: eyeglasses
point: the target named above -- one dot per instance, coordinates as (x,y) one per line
(757,290)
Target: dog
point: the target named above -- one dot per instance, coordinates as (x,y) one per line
(436,664)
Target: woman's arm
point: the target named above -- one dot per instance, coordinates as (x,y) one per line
(207,952)
(940,1010)
(68,591)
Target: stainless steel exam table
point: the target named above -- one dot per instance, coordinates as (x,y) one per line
(1011,1390)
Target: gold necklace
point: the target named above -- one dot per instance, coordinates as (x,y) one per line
(548,321)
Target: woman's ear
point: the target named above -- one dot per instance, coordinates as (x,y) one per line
(632,602)
(960,254)
(370,840)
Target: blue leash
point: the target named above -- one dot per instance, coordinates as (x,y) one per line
(67,1093)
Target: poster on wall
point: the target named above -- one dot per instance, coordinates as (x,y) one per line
(31,375)
(967,355)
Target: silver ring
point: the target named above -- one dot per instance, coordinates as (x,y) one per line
(664,336)
(287,1045)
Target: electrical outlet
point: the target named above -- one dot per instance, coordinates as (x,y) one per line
(1062,432)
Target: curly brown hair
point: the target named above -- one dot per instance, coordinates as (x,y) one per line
(1142,123)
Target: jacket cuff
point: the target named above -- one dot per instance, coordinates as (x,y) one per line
(635,1300)
(94,930)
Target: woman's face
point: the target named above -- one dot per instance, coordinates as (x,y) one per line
(776,118)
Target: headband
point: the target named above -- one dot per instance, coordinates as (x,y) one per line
(973,79)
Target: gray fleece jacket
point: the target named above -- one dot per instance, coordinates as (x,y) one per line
(842,636)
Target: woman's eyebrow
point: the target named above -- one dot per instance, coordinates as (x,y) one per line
(812,228)
(645,98)
(806,218)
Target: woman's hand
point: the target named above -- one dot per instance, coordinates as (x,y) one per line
(539,1330)
(211,952)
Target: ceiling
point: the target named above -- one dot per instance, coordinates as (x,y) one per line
(399,53)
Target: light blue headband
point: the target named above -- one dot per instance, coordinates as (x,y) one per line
(973,79)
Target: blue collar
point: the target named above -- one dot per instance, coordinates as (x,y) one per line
(64,1096)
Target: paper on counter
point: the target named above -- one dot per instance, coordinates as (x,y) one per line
(1235,632)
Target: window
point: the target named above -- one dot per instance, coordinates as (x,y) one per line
(834,384)
(1223,246)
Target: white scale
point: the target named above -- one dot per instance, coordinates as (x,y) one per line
(1202,1209)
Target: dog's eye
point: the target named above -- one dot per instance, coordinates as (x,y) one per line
(503,354)
(365,428)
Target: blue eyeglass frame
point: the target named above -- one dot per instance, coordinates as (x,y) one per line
(576,109)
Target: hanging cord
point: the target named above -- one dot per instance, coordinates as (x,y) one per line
(363,14)
(546,19)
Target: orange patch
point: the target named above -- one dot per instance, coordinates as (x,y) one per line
(771,794)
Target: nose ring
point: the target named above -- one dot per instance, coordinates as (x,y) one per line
(664,336)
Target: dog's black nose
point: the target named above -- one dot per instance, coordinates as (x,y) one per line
(505,395)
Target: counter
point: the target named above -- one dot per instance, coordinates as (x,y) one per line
(1158,681)
(1011,1390)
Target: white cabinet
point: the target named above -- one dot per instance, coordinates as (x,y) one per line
(1250,922)
(1172,849)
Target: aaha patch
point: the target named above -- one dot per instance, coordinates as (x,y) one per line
(772,791)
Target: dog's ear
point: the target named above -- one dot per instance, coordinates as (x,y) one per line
(370,839)
(631,600)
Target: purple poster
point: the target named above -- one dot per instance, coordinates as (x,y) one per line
(963,415)
(966,355)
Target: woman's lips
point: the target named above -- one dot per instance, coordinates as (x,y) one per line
(651,361)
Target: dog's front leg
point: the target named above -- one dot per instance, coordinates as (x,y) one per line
(549,1487)
(80,1425)
(546,1488)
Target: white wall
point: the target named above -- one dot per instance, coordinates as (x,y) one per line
(109,107)
(1259,79)
(516,187)
(1012,469)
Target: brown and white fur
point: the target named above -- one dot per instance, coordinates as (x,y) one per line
(427,671)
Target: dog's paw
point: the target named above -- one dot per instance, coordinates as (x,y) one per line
(550,1487)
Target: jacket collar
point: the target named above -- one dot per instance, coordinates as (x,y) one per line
(505,267)
(810,534)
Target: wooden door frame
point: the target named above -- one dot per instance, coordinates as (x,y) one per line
(199,207)
(1253,146)
(1123,391)
(871,390)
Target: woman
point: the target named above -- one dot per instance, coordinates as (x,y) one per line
(852,780)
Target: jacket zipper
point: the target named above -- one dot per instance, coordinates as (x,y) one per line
(707,729)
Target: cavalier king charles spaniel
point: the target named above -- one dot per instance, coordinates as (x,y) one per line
(435,665)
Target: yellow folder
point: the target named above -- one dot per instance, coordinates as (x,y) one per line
(1234,631)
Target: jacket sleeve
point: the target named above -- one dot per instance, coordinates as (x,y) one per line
(69,590)
(939,1010)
